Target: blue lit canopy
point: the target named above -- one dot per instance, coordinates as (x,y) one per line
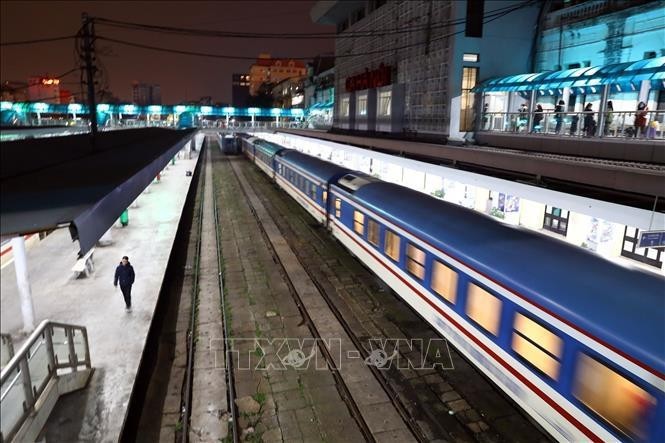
(213,111)
(620,76)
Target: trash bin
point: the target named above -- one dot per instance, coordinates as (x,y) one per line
(124,218)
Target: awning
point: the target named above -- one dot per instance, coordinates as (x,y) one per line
(49,183)
(620,76)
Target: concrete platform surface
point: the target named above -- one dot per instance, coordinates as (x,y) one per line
(117,338)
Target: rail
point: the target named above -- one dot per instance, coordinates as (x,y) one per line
(577,124)
(53,351)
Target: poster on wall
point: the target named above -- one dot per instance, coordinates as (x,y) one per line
(508,203)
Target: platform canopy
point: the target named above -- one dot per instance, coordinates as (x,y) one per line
(49,183)
(621,77)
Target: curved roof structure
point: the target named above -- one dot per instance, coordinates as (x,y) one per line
(620,76)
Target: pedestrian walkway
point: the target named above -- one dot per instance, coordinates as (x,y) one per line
(116,338)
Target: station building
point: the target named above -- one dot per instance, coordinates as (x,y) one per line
(409,67)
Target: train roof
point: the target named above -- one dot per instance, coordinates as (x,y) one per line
(321,169)
(268,147)
(622,306)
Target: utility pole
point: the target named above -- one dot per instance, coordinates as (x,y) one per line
(88,50)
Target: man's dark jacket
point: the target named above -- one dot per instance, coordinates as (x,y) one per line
(124,274)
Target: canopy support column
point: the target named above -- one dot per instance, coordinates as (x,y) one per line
(23,283)
(602,110)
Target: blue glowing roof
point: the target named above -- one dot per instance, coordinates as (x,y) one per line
(621,76)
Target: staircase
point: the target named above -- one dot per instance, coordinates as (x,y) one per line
(53,361)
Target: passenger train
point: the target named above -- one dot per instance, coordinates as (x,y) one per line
(575,340)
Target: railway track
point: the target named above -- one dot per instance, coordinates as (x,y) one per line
(442,418)
(298,278)
(208,221)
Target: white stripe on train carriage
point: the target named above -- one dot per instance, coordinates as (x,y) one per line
(583,337)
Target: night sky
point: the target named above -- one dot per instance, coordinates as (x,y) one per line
(181,77)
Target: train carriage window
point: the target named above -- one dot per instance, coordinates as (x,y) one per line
(415,261)
(313,189)
(359,222)
(373,232)
(338,208)
(392,245)
(325,197)
(537,345)
(444,281)
(483,308)
(619,401)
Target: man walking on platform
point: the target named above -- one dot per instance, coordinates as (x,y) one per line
(124,274)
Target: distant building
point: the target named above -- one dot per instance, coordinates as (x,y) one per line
(146,94)
(289,93)
(240,90)
(44,89)
(13,91)
(319,90)
(271,70)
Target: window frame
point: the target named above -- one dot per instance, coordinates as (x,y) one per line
(477,320)
(434,264)
(372,222)
(358,223)
(338,208)
(411,260)
(634,255)
(529,340)
(550,217)
(392,234)
(608,365)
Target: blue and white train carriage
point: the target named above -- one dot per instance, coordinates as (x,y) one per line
(577,341)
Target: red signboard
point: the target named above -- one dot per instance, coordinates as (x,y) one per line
(370,79)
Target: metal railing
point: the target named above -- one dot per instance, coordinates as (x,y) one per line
(6,349)
(577,124)
(52,350)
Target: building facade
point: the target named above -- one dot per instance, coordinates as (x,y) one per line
(413,68)
(272,71)
(240,90)
(146,94)
(44,89)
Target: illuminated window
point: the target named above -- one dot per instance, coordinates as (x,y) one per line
(338,208)
(392,245)
(344,105)
(619,401)
(385,98)
(415,261)
(362,105)
(469,80)
(359,222)
(537,345)
(444,281)
(373,232)
(483,308)
(470,57)
(325,197)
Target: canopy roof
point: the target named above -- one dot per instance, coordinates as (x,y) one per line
(48,183)
(626,76)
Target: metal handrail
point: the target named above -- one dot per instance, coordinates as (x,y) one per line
(19,371)
(616,124)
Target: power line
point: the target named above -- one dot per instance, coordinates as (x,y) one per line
(504,12)
(41,40)
(308,35)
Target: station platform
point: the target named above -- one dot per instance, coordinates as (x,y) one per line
(117,339)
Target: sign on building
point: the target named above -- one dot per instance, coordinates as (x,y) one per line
(652,239)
